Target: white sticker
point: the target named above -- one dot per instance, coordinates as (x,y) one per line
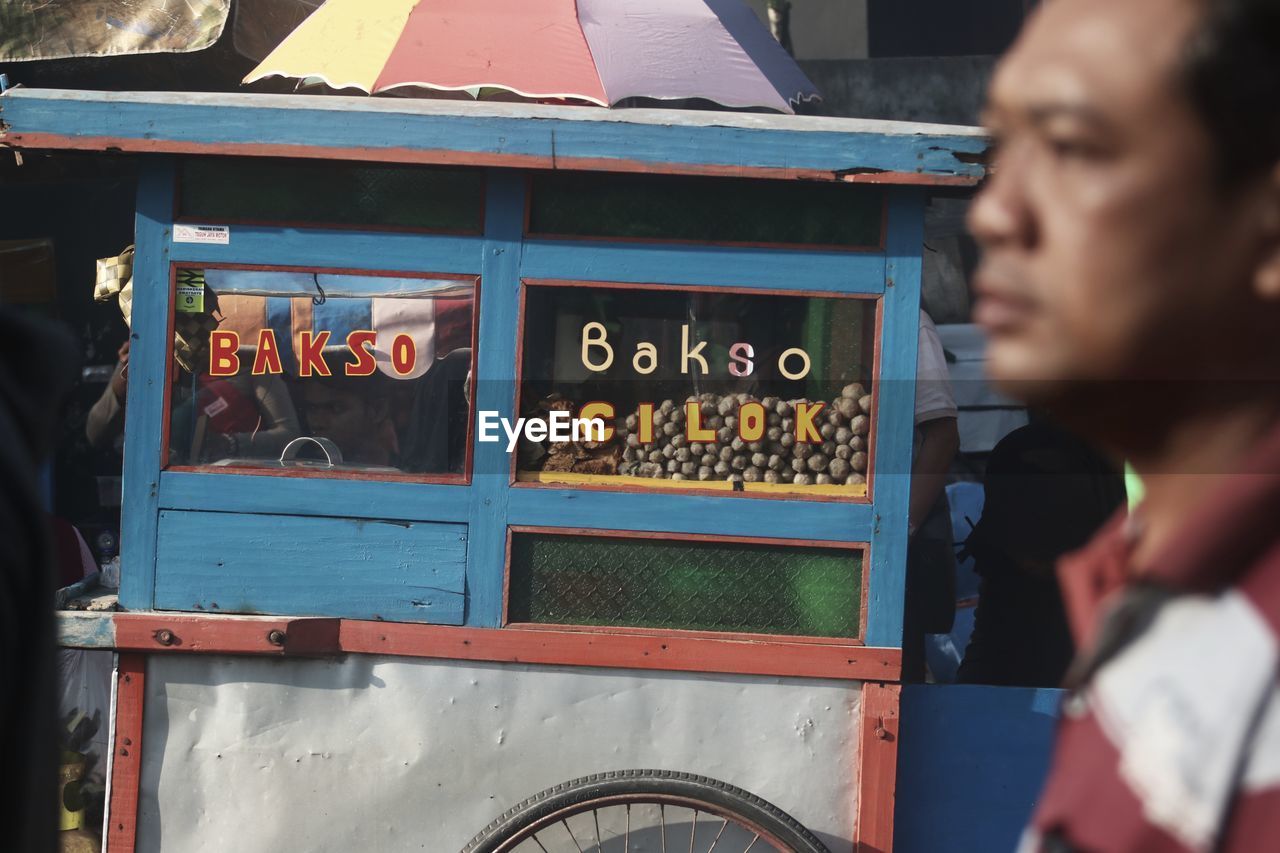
(217,407)
(219,234)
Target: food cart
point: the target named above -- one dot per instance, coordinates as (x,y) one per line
(355,614)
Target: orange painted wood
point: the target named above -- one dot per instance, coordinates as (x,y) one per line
(653,651)
(612,647)
(259,635)
(878,767)
(126,762)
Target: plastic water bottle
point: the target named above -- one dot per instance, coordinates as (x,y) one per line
(108,561)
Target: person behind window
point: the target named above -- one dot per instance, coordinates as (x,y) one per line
(930,604)
(354,412)
(1046,493)
(243,416)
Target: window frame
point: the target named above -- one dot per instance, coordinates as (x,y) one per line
(863,549)
(821,494)
(450,479)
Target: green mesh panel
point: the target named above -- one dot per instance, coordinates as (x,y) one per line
(702,586)
(718,210)
(327,193)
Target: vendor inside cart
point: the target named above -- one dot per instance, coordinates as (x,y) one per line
(242,415)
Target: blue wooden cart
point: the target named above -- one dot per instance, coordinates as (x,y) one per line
(390,650)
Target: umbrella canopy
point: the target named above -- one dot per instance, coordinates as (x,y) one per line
(599,51)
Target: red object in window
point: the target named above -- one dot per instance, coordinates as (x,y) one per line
(453,325)
(228,408)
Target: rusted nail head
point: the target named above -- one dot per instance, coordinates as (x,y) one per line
(275,637)
(165,637)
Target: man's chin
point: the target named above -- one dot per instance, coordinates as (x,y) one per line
(1032,381)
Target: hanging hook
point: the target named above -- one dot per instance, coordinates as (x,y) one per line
(321,299)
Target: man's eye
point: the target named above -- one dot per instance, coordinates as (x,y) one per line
(1069,148)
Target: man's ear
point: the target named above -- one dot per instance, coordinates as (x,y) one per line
(1267,279)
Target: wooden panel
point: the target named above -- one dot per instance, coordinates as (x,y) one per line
(397,571)
(240,492)
(520,135)
(683,651)
(318,247)
(126,755)
(877,778)
(236,635)
(664,512)
(672,651)
(495,392)
(150,338)
(894,408)
(972,762)
(85,630)
(723,266)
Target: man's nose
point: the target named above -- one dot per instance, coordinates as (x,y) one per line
(1001,214)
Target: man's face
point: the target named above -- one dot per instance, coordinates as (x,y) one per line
(1111,250)
(336,414)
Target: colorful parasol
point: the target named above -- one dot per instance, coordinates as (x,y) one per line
(598,51)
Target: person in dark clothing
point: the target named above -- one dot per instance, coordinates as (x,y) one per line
(37,367)
(1047,493)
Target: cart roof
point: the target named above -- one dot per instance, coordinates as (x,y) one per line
(494,134)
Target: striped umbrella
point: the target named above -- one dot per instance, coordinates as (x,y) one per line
(596,51)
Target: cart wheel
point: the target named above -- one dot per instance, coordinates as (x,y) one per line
(642,810)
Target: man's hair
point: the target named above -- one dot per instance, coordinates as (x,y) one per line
(1232,69)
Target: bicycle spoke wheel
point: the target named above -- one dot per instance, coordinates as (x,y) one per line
(645,811)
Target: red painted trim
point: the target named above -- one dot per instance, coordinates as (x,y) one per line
(695,288)
(468,158)
(875,401)
(613,648)
(463,479)
(232,635)
(669,652)
(863,548)
(126,760)
(635,488)
(877,768)
(685,537)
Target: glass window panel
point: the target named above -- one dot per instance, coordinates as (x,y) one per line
(679,584)
(713,210)
(322,372)
(805,360)
(377,195)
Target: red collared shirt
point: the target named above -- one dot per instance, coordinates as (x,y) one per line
(1173,745)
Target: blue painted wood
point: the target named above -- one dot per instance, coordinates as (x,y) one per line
(85,630)
(704,514)
(296,566)
(398,251)
(495,392)
(971,762)
(545,136)
(144,400)
(737,267)
(895,417)
(231,492)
